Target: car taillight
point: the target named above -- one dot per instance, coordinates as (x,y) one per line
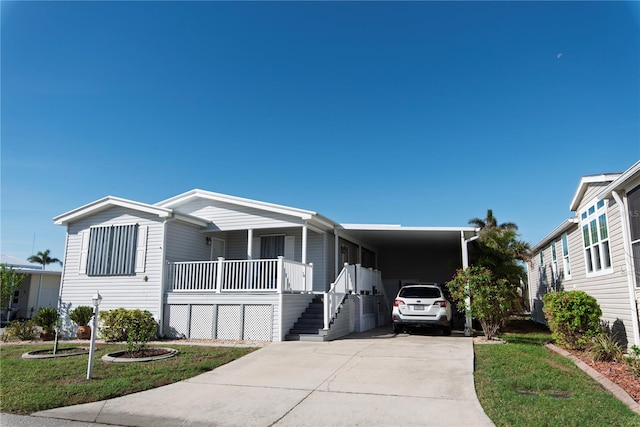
(398,302)
(440,303)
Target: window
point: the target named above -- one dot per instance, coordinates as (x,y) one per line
(595,236)
(112,250)
(271,247)
(633,201)
(554,261)
(565,257)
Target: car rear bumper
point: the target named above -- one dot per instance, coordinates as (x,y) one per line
(399,319)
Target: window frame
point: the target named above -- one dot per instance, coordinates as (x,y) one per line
(566,261)
(596,240)
(118,254)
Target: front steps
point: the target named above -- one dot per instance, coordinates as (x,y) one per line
(309,326)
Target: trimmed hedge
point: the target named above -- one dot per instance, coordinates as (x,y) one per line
(573,317)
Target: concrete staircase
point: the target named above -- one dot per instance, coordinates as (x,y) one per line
(309,326)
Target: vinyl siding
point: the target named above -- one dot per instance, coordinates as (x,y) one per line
(226,216)
(186,242)
(610,290)
(117,291)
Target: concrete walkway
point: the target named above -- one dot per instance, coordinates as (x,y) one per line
(369,379)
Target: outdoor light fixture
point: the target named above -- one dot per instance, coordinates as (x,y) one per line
(208,240)
(96,300)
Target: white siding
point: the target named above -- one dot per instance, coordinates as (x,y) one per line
(226,216)
(117,291)
(293,305)
(185,242)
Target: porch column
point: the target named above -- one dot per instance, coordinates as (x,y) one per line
(465,264)
(336,252)
(250,244)
(304,243)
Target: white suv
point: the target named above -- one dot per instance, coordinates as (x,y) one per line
(421,305)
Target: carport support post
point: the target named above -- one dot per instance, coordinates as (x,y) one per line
(465,265)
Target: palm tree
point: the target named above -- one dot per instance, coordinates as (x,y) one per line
(44,259)
(491,222)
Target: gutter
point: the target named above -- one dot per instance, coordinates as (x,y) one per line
(624,220)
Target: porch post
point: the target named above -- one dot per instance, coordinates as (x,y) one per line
(250,244)
(465,265)
(219,274)
(304,243)
(279,274)
(336,252)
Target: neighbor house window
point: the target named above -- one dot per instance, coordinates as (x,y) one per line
(633,200)
(595,235)
(565,257)
(112,250)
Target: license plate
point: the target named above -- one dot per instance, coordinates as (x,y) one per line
(418,307)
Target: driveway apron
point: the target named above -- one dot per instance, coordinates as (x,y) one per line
(374,378)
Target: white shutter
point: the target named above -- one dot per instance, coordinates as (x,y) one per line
(289,247)
(141,249)
(84,252)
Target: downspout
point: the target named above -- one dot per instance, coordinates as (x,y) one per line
(626,244)
(336,245)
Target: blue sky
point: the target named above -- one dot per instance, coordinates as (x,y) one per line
(412,113)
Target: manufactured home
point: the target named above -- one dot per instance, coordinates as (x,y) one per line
(214,266)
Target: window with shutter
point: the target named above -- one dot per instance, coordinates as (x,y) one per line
(112,250)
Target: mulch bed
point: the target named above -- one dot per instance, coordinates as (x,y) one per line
(147,352)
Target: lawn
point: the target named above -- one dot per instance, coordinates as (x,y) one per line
(30,385)
(523,383)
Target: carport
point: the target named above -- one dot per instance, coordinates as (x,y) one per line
(415,254)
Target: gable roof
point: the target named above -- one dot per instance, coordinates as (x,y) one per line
(584,184)
(110,201)
(181,199)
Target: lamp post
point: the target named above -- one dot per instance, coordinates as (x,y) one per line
(96,300)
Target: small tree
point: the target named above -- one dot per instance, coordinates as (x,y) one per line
(9,281)
(492,299)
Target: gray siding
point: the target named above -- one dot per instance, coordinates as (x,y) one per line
(142,290)
(610,290)
(186,242)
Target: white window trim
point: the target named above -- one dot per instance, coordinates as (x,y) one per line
(566,260)
(586,221)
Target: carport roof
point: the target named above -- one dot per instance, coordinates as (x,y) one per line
(390,235)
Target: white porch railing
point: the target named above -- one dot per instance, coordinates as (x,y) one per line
(352,279)
(264,275)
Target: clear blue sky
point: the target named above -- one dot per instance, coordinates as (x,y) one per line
(412,113)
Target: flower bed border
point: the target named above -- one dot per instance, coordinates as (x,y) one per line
(113,357)
(34,355)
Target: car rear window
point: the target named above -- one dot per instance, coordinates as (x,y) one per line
(421,292)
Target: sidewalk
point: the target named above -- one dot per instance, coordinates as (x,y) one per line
(374,379)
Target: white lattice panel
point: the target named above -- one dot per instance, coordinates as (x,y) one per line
(177,321)
(258,323)
(229,325)
(202,322)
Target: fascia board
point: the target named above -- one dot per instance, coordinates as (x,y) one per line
(190,219)
(106,203)
(381,227)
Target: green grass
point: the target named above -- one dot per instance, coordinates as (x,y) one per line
(30,385)
(525,384)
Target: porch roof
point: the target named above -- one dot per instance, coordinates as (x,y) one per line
(393,235)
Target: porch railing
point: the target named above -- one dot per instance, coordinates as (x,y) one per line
(352,279)
(264,275)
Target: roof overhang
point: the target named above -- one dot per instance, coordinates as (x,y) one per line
(305,215)
(563,227)
(584,184)
(110,202)
(388,235)
(628,178)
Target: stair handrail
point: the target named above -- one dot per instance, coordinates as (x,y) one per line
(339,289)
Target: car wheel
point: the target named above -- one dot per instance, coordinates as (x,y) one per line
(446,330)
(397,329)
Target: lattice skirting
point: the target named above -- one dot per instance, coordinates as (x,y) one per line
(250,322)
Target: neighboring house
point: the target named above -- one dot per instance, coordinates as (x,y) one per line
(213,266)
(596,251)
(40,288)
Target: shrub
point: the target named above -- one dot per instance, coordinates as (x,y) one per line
(24,331)
(492,300)
(573,317)
(81,315)
(136,327)
(604,348)
(634,360)
(46,317)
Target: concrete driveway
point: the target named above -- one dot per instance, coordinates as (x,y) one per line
(369,379)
